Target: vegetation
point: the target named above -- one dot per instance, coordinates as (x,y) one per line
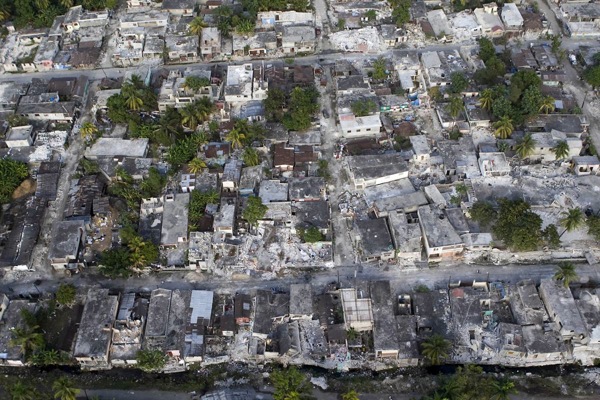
(435,349)
(65,295)
(361,108)
(551,236)
(254,210)
(88,130)
(290,384)
(41,13)
(196,165)
(351,395)
(22,391)
(458,83)
(494,67)
(135,97)
(517,226)
(197,206)
(275,104)
(379,69)
(28,339)
(400,11)
(184,150)
(561,150)
(151,360)
(455,107)
(503,128)
(485,99)
(12,174)
(250,157)
(64,390)
(525,147)
(310,235)
(196,26)
(136,255)
(302,106)
(323,169)
(341,24)
(572,219)
(593,225)
(566,273)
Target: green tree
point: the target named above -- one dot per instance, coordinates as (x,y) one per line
(12,174)
(66,3)
(455,107)
(526,146)
(502,390)
(244,26)
(310,235)
(196,165)
(371,15)
(236,138)
(65,295)
(547,105)
(400,12)
(182,151)
(27,339)
(501,106)
(153,185)
(195,83)
(360,108)
(274,104)
(302,106)
(486,98)
(251,157)
(592,76)
(517,226)
(117,109)
(435,349)
(289,384)
(254,210)
(115,263)
(486,49)
(196,26)
(379,69)
(566,273)
(133,97)
(88,130)
(561,150)
(141,253)
(458,83)
(593,224)
(64,390)
(551,236)
(572,219)
(22,391)
(151,360)
(341,24)
(351,395)
(503,128)
(531,101)
(520,82)
(483,213)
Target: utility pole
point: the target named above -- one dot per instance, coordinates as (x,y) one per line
(584,98)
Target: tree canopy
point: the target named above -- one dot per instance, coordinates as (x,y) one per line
(289,383)
(360,108)
(151,360)
(12,174)
(65,295)
(517,226)
(302,106)
(254,210)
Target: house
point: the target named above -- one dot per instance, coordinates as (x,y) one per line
(200,319)
(47,180)
(545,57)
(151,19)
(224,224)
(357,310)
(368,171)
(385,328)
(66,250)
(268,307)
(297,39)
(63,111)
(199,250)
(585,165)
(306,189)
(465,25)
(545,142)
(175,220)
(493,164)
(301,301)
(392,35)
(406,235)
(283,157)
(373,238)
(23,234)
(242,308)
(311,214)
(75,88)
(210,45)
(175,93)
(128,330)
(476,115)
(70,21)
(182,49)
(273,191)
(20,136)
(11,318)
(512,18)
(46,52)
(232,172)
(85,58)
(421,148)
(487,17)
(439,236)
(92,345)
(115,147)
(354,127)
(268,20)
(10,94)
(560,305)
(352,85)
(245,83)
(441,27)
(258,45)
(179,7)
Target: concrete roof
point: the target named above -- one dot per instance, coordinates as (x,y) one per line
(308,188)
(511,15)
(375,236)
(95,329)
(376,166)
(13,318)
(66,239)
(301,299)
(407,237)
(273,191)
(385,328)
(436,228)
(175,219)
(559,301)
(118,147)
(311,214)
(268,306)
(439,22)
(158,312)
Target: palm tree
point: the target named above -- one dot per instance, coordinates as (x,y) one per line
(136,81)
(66,3)
(88,130)
(133,100)
(204,107)
(196,26)
(548,105)
(566,273)
(503,127)
(42,4)
(64,390)
(435,349)
(251,157)
(455,107)
(245,26)
(189,116)
(235,137)
(22,391)
(4,15)
(196,165)
(502,390)
(561,150)
(525,147)
(572,219)
(27,339)
(351,395)
(486,99)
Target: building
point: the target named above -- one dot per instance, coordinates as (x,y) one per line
(20,136)
(175,220)
(406,235)
(182,49)
(115,147)
(210,45)
(439,236)
(490,22)
(199,250)
(385,327)
(11,318)
(242,308)
(268,308)
(179,7)
(201,304)
(301,301)
(354,127)
(373,170)
(373,238)
(441,27)
(245,83)
(297,39)
(357,310)
(128,330)
(62,111)
(232,172)
(561,307)
(273,191)
(67,245)
(94,336)
(585,165)
(151,19)
(306,189)
(512,18)
(493,164)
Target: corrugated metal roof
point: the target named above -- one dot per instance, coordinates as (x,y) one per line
(201,305)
